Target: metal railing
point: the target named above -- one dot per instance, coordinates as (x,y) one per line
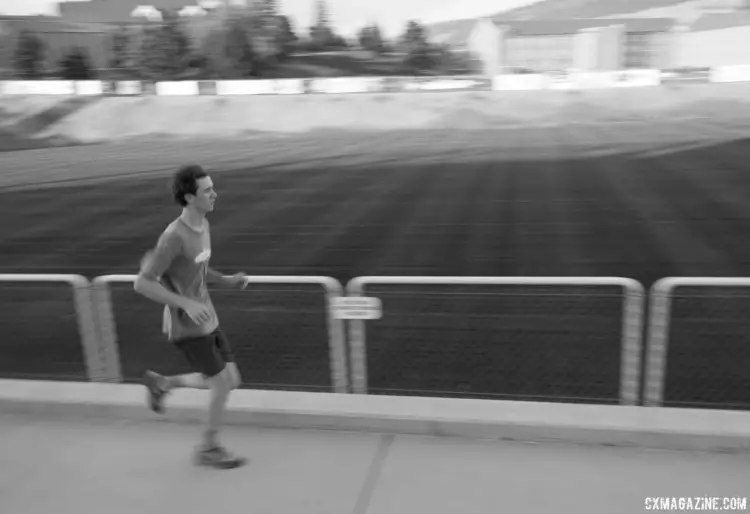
(661,323)
(335,327)
(631,333)
(97,329)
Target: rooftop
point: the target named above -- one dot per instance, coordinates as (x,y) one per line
(556,9)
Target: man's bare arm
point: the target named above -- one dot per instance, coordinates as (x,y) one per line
(214,277)
(153,290)
(238,280)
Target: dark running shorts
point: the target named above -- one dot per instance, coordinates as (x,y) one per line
(209,354)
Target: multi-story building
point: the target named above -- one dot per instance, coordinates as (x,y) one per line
(605,35)
(583,44)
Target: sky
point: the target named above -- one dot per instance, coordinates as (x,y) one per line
(347,16)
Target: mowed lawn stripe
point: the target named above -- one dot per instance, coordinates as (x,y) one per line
(703,183)
(634,188)
(618,237)
(478,230)
(350,202)
(272,237)
(531,227)
(359,230)
(111,237)
(490,250)
(407,250)
(447,230)
(557,195)
(685,184)
(77,221)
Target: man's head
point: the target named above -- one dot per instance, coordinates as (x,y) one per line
(193,188)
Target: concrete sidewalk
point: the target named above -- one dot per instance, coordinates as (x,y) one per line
(70,465)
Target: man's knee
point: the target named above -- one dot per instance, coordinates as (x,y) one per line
(234,373)
(223,382)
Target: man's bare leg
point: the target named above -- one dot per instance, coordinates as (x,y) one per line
(211,452)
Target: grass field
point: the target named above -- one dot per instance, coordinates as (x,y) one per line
(644,198)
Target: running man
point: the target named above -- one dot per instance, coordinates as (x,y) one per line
(175,274)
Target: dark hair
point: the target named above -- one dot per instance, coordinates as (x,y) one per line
(186,182)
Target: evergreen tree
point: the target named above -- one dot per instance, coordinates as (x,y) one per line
(28,60)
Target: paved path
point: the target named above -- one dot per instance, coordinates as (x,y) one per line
(72,466)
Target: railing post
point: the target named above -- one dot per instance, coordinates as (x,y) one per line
(357,343)
(107,326)
(632,342)
(336,334)
(85,316)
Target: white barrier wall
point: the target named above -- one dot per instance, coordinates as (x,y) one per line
(582,79)
(39,87)
(260,87)
(713,48)
(177,88)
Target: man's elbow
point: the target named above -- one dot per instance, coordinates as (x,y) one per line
(140,284)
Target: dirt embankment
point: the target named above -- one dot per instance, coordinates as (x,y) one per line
(88,120)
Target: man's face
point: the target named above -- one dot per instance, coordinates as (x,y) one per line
(205,196)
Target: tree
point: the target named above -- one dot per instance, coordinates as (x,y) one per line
(165,50)
(28,60)
(371,39)
(320,38)
(449,62)
(338,42)
(267,37)
(321,35)
(322,18)
(286,38)
(229,51)
(75,65)
(415,36)
(424,57)
(124,50)
(249,42)
(419,54)
(271,7)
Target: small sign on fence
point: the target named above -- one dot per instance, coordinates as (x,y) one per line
(359,307)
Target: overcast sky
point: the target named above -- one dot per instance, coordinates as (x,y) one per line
(347,15)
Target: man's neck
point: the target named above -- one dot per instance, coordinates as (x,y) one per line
(193,219)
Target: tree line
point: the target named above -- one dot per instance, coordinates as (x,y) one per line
(237,45)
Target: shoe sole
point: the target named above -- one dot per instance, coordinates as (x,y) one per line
(233,464)
(154,393)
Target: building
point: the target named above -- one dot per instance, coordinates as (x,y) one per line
(556,45)
(554,35)
(118,12)
(721,39)
(57,36)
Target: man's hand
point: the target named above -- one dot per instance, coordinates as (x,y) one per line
(238,280)
(198,312)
